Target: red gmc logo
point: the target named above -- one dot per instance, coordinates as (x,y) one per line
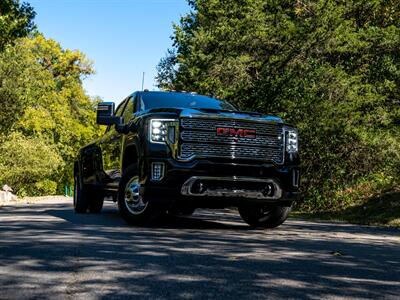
(244,133)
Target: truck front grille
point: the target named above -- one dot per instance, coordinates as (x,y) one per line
(212,125)
(199,138)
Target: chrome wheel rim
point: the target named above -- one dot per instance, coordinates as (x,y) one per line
(133,200)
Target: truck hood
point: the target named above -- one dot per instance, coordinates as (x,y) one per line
(215,114)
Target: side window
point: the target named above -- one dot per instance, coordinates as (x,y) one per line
(142,107)
(120,108)
(135,103)
(118,113)
(129,110)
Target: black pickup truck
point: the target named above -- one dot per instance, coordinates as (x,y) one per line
(173,152)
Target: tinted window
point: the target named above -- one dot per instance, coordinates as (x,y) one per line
(183,100)
(128,112)
(120,108)
(118,112)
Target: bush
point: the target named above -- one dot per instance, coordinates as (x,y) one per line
(28,164)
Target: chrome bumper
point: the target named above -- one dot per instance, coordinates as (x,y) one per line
(199,186)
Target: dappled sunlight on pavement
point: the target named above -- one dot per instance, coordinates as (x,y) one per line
(48,251)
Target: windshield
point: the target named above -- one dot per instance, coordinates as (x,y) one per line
(182,100)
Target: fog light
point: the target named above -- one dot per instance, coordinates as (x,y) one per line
(157,171)
(269,190)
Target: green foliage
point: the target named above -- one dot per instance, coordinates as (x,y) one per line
(331,67)
(16,20)
(46,115)
(27,162)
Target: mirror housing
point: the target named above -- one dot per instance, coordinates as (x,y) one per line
(105,114)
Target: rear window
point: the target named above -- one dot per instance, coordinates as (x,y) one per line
(182,100)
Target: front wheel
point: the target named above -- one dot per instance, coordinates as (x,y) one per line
(264,216)
(135,209)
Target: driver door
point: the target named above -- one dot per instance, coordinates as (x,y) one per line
(111,147)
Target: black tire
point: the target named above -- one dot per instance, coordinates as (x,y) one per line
(81,201)
(264,216)
(96,202)
(140,211)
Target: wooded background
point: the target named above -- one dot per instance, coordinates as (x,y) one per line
(45,115)
(330,67)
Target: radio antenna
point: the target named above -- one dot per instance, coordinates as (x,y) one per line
(143,82)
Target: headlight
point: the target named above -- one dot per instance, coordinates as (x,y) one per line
(158,130)
(292,140)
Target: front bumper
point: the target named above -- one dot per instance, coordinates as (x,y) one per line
(171,188)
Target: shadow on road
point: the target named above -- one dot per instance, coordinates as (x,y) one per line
(47,249)
(200,220)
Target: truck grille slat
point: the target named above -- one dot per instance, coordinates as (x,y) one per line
(212,125)
(199,138)
(211,137)
(231,151)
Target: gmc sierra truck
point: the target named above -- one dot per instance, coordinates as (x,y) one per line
(173,152)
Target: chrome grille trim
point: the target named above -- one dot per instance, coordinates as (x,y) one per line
(211,137)
(231,151)
(198,138)
(212,125)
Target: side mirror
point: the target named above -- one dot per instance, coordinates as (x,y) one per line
(105,114)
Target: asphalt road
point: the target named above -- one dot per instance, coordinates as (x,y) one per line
(47,251)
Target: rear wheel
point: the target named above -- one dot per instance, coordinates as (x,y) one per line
(264,216)
(81,202)
(133,206)
(96,202)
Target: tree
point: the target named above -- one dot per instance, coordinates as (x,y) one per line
(329,66)
(44,110)
(16,20)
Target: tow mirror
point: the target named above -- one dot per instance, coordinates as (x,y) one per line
(105,114)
